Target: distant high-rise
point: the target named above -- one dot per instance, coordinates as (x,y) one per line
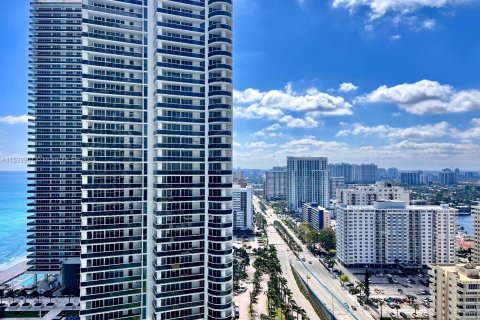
(307,182)
(335,183)
(411,178)
(341,170)
(476,233)
(392,173)
(274,186)
(448,177)
(144,90)
(354,173)
(242,208)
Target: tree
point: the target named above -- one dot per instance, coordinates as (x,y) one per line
(2,295)
(327,239)
(366,289)
(344,278)
(381,302)
(48,294)
(36,295)
(416,307)
(12,294)
(23,293)
(397,307)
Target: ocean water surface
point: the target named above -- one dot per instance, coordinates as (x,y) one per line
(13,218)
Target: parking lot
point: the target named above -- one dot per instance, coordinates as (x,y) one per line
(397,291)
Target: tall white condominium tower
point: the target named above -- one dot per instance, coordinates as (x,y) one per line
(369,194)
(390,232)
(242,208)
(307,182)
(54,180)
(156,116)
(274,185)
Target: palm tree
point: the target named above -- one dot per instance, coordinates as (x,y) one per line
(416,307)
(303,313)
(2,295)
(48,294)
(381,302)
(12,294)
(397,307)
(23,293)
(36,295)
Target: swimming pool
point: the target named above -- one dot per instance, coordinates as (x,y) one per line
(24,280)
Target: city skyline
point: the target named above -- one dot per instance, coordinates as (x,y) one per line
(325,102)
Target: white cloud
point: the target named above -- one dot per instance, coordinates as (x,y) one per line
(275,104)
(14,119)
(415,133)
(347,87)
(396,37)
(425,97)
(428,24)
(291,122)
(379,8)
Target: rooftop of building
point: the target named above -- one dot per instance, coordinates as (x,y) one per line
(395,205)
(465,272)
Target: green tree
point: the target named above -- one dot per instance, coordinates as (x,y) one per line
(327,239)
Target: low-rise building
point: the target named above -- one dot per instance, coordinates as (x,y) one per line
(317,216)
(242,208)
(456,291)
(390,232)
(367,195)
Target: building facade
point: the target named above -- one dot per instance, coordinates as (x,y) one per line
(55,104)
(390,232)
(456,291)
(317,216)
(334,184)
(476,234)
(307,182)
(144,89)
(274,186)
(242,208)
(410,178)
(448,177)
(368,195)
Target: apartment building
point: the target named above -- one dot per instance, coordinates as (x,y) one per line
(456,291)
(274,187)
(317,216)
(144,89)
(369,194)
(307,182)
(390,232)
(334,184)
(242,208)
(476,234)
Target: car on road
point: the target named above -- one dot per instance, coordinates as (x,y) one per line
(425,315)
(310,262)
(400,291)
(303,259)
(354,308)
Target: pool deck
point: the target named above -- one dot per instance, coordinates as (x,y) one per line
(13,271)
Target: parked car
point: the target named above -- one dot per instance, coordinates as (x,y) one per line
(391,314)
(404,315)
(400,291)
(391,305)
(354,308)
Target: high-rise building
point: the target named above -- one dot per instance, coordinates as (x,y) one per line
(55,104)
(476,234)
(341,170)
(148,84)
(317,216)
(368,195)
(448,177)
(392,173)
(411,178)
(242,208)
(274,186)
(335,183)
(307,182)
(354,173)
(390,232)
(456,291)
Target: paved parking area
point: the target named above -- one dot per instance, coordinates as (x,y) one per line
(381,288)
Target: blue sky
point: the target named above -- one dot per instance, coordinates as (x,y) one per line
(393,82)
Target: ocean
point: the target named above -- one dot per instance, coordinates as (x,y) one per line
(13,218)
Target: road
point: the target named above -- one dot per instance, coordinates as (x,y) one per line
(321,281)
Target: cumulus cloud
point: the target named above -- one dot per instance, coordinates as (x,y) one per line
(425,97)
(14,119)
(379,8)
(347,87)
(415,133)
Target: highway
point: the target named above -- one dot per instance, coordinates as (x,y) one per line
(327,289)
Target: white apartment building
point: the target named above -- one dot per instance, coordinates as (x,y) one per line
(307,182)
(390,232)
(456,291)
(242,208)
(316,215)
(367,195)
(274,187)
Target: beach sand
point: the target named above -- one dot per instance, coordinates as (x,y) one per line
(13,271)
